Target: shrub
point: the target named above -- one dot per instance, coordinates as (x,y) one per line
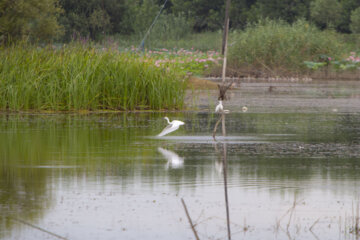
(276,46)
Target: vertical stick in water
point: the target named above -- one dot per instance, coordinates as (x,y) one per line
(222,97)
(225,51)
(225,180)
(223,125)
(226,28)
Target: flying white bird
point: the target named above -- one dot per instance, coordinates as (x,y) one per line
(220,108)
(173,126)
(174,161)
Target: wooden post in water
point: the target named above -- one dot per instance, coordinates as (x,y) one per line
(225,190)
(226,34)
(226,26)
(222,97)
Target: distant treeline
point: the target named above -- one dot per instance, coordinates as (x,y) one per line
(64,20)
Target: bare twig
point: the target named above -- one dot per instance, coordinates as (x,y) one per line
(38,228)
(265,66)
(190,221)
(291,213)
(314,224)
(222,90)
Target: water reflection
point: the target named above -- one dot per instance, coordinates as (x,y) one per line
(173,160)
(62,171)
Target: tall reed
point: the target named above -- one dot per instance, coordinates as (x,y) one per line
(84,78)
(276,45)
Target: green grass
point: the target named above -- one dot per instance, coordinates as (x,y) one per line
(279,47)
(85,78)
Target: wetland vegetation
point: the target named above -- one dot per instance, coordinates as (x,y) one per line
(69,56)
(85,78)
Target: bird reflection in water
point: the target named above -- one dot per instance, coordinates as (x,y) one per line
(173,160)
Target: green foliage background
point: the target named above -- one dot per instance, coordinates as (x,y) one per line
(66,20)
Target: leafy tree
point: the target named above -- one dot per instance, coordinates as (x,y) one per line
(239,12)
(118,11)
(326,13)
(205,14)
(31,19)
(142,14)
(348,6)
(355,21)
(288,10)
(99,21)
(94,17)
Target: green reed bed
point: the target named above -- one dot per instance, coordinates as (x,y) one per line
(279,47)
(85,78)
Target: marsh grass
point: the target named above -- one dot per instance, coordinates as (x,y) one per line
(279,48)
(80,77)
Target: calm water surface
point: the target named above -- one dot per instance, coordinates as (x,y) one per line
(106,176)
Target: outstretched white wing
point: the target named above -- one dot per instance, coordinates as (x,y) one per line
(169,128)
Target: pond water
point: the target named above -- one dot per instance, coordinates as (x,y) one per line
(293,169)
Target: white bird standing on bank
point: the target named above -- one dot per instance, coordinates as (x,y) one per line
(220,108)
(173,126)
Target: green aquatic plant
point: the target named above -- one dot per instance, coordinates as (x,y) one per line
(79,77)
(350,63)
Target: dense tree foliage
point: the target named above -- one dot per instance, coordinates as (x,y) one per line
(355,21)
(326,13)
(47,19)
(30,19)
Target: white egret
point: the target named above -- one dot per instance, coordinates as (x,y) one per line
(220,108)
(173,126)
(174,161)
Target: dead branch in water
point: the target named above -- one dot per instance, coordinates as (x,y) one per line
(291,213)
(314,224)
(222,90)
(215,128)
(38,228)
(190,221)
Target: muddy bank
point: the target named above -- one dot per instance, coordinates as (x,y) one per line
(283,95)
(249,72)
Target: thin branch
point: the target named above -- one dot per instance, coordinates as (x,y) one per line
(190,221)
(222,90)
(39,228)
(314,224)
(215,128)
(291,213)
